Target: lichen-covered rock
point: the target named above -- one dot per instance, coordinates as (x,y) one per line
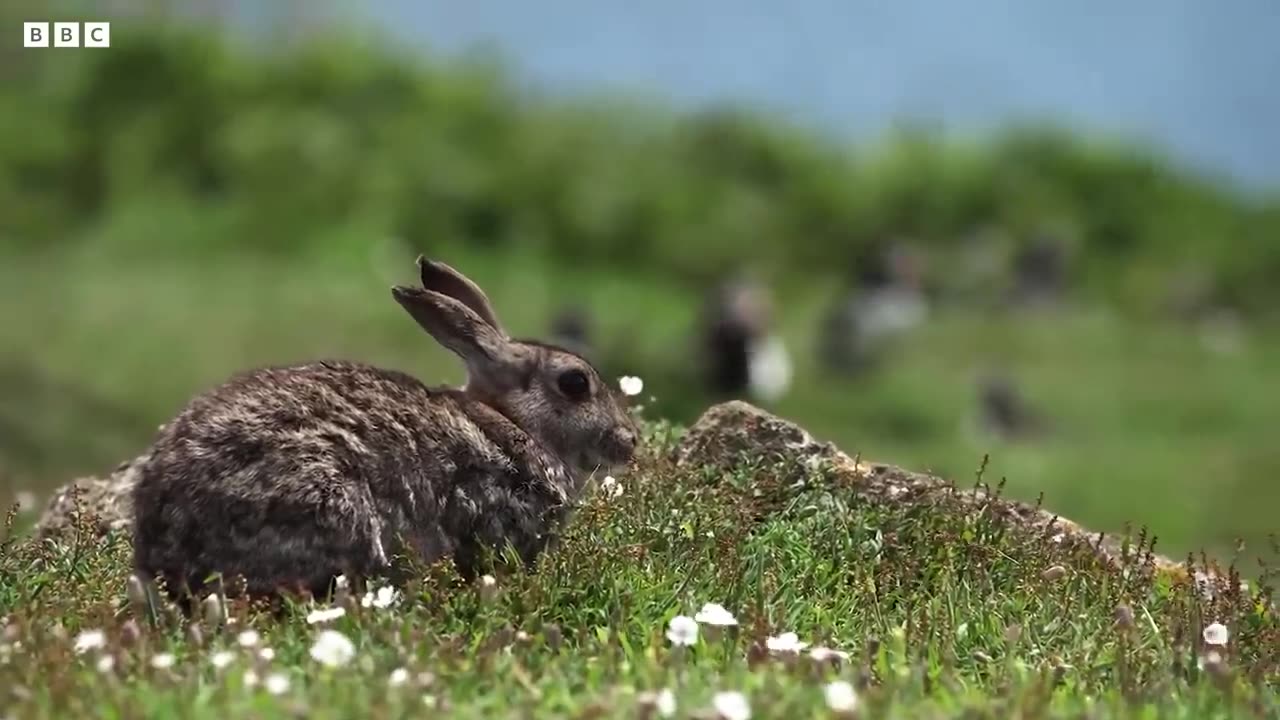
(102,503)
(732,433)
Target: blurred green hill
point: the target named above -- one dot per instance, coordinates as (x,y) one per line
(182,206)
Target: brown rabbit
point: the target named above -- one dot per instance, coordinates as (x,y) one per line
(288,476)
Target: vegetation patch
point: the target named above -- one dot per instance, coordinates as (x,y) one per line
(760,584)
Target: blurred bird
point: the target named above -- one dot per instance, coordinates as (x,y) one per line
(571,329)
(1004,410)
(1040,271)
(885,299)
(741,353)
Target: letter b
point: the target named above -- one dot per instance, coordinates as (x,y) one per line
(66,34)
(35,34)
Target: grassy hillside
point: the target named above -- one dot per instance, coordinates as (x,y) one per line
(943,611)
(183,207)
(1150,427)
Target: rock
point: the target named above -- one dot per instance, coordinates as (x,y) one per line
(727,432)
(106,500)
(730,433)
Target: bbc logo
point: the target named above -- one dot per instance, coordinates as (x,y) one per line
(66,34)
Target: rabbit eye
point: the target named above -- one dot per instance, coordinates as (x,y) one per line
(574,384)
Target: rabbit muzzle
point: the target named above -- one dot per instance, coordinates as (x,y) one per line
(617,448)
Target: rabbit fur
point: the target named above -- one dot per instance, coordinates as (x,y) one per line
(285,477)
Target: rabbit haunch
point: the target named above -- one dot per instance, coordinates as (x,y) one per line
(285,477)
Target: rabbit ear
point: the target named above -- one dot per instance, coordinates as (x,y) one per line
(438,277)
(485,350)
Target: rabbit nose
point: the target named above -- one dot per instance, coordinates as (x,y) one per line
(628,438)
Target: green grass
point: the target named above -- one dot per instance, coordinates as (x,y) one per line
(944,612)
(100,344)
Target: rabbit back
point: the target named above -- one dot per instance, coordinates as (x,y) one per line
(288,476)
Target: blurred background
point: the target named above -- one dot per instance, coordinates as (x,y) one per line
(1046,232)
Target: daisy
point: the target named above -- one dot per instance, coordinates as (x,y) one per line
(325,615)
(662,702)
(1216,634)
(682,631)
(385,597)
(90,640)
(611,487)
(731,706)
(332,649)
(277,683)
(823,654)
(631,385)
(787,642)
(715,614)
(840,696)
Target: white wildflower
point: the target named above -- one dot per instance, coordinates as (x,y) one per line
(631,385)
(662,702)
(430,701)
(90,640)
(840,696)
(250,678)
(221,659)
(163,661)
(332,649)
(398,677)
(714,614)
(325,615)
(249,638)
(682,630)
(267,654)
(611,488)
(787,642)
(385,597)
(340,582)
(277,683)
(488,588)
(106,663)
(824,654)
(1216,634)
(731,706)
(666,703)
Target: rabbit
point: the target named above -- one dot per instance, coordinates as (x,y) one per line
(286,477)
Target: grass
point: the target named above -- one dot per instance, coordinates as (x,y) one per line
(945,612)
(101,343)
